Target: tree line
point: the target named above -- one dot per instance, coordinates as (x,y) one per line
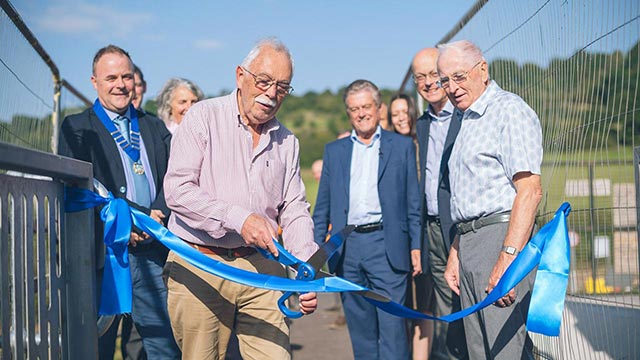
(589,98)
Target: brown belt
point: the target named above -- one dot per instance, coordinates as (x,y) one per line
(239,252)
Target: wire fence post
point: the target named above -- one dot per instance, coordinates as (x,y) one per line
(592,219)
(636,163)
(55,115)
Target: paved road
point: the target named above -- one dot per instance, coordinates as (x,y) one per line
(314,338)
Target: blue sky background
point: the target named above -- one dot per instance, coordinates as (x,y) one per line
(333,42)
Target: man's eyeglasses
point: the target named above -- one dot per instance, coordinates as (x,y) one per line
(421,78)
(264,82)
(458,78)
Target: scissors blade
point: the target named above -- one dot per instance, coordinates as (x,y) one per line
(366,293)
(323,274)
(328,248)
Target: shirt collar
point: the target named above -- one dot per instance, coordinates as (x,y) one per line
(443,114)
(480,105)
(112,115)
(376,136)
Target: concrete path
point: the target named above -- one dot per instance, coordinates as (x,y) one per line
(315,337)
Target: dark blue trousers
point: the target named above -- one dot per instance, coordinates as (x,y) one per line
(374,333)
(149,310)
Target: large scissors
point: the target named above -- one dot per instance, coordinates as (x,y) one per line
(307,270)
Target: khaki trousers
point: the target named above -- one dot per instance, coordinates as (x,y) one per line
(205,309)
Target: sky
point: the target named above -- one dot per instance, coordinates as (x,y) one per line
(333,42)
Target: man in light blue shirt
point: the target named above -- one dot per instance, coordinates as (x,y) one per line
(495,192)
(370,180)
(364,204)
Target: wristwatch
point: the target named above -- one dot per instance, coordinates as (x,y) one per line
(510,250)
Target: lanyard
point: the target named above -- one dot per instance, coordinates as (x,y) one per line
(132,147)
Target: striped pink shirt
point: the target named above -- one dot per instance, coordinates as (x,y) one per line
(216,179)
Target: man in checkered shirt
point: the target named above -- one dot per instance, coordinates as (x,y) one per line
(495,192)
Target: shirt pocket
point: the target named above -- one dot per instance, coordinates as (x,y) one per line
(273,178)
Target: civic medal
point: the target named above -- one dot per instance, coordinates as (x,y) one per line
(138,168)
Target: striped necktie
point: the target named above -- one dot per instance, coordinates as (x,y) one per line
(142,194)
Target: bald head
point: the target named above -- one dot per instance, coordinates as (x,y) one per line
(422,56)
(425,75)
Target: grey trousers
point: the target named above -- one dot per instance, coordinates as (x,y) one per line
(448,339)
(495,332)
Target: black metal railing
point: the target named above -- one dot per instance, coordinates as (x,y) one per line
(47,266)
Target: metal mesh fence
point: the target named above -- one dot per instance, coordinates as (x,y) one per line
(26,94)
(33,97)
(576,64)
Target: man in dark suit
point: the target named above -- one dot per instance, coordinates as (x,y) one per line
(436,131)
(370,180)
(129,151)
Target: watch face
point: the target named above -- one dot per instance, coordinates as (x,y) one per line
(509,250)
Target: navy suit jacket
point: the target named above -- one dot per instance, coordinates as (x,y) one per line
(397,192)
(444,192)
(84,137)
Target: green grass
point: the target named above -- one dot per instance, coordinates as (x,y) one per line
(311,186)
(617,153)
(555,177)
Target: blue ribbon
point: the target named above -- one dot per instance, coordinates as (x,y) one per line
(548,249)
(116,284)
(115,296)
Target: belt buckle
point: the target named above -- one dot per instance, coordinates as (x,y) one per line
(473,225)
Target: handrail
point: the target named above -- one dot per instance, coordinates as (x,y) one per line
(43,163)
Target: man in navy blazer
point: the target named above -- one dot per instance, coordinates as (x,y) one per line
(370,180)
(85,136)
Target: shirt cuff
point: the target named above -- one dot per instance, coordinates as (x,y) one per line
(236,218)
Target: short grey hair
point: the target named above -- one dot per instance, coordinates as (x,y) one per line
(271,42)
(362,85)
(471,54)
(166,94)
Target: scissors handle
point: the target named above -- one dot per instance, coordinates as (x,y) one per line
(284,257)
(306,272)
(285,310)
